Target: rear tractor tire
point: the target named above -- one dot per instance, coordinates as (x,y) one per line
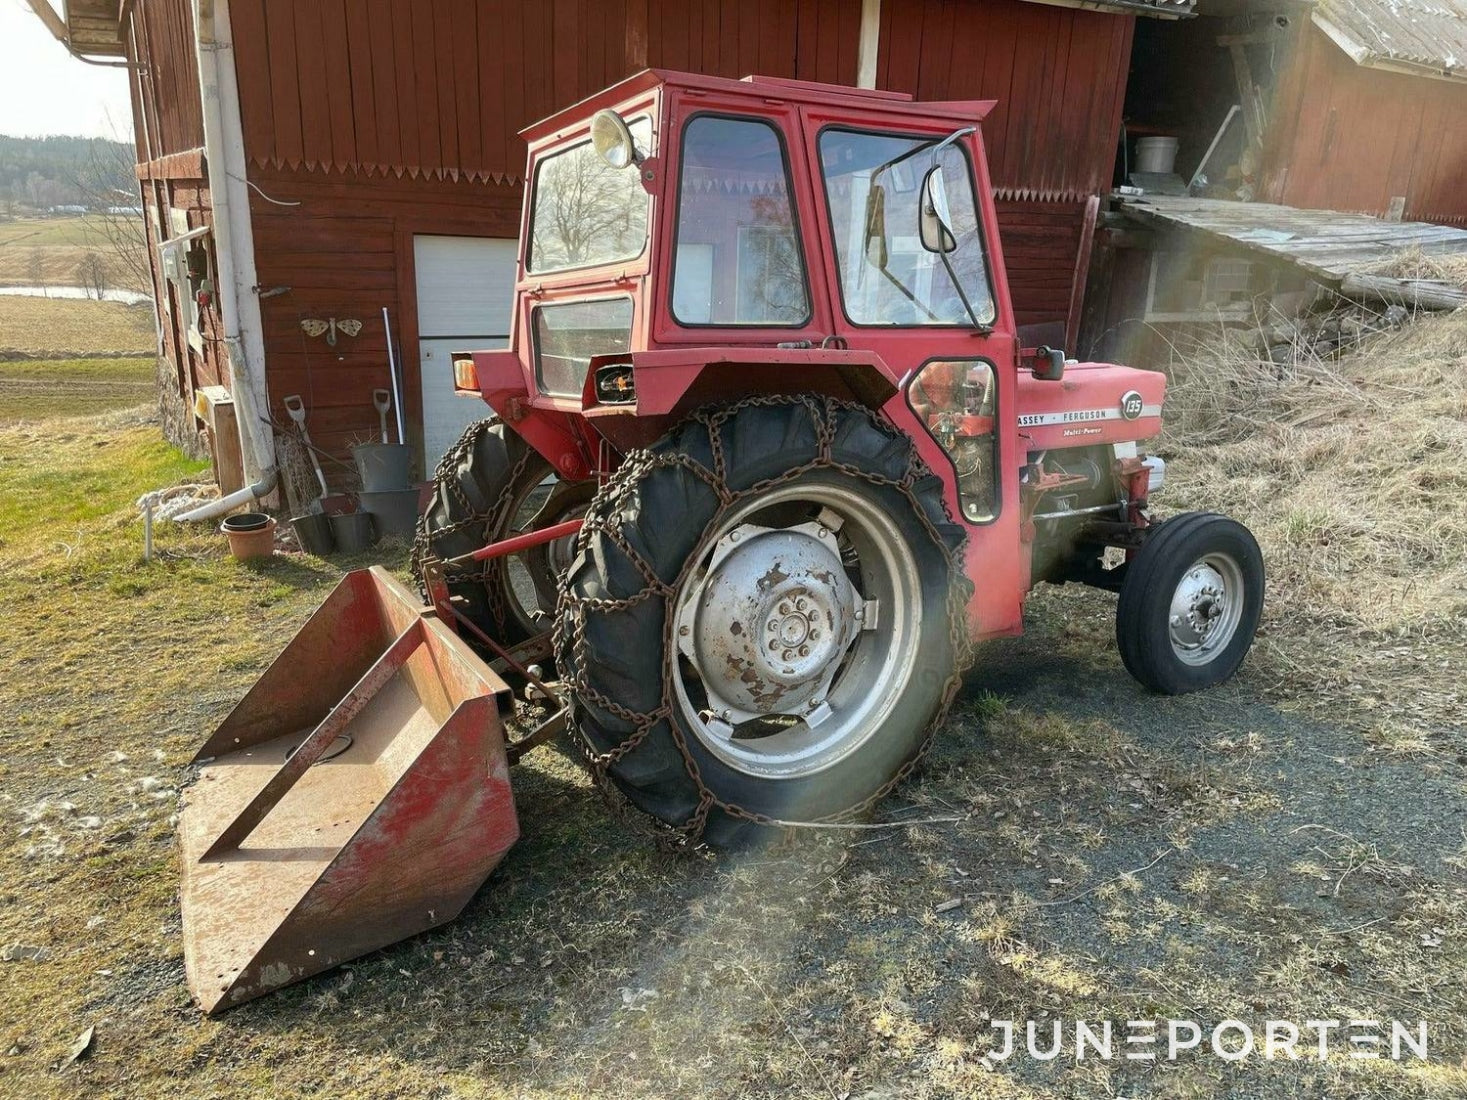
(766,618)
(490,485)
(1190,603)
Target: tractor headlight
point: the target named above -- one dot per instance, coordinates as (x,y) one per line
(612,139)
(615,384)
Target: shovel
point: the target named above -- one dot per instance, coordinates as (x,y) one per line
(383,401)
(297,410)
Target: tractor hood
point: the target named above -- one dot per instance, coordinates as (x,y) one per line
(1094,403)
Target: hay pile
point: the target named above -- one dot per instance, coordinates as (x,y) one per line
(1413,263)
(1352,472)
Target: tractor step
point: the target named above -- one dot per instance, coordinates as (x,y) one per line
(358,795)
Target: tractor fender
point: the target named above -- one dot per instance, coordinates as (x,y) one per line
(559,435)
(670,383)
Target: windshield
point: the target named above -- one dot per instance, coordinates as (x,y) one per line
(873,183)
(584,211)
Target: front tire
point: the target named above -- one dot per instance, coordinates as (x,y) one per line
(1190,603)
(766,618)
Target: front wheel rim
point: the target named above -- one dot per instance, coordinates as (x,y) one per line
(1206,609)
(796,631)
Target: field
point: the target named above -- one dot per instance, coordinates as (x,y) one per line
(47,251)
(1291,846)
(73,358)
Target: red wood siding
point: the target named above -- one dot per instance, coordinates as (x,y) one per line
(346,251)
(1059,76)
(166,108)
(1349,138)
(443,90)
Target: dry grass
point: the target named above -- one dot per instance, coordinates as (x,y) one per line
(1352,472)
(1088,851)
(55,247)
(60,328)
(1413,263)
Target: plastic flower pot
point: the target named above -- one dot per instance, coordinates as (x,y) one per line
(250,534)
(395,513)
(353,531)
(383,467)
(313,532)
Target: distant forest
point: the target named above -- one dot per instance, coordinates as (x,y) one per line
(39,173)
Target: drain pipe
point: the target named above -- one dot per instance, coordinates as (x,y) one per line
(234,250)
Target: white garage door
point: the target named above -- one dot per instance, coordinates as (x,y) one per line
(465,298)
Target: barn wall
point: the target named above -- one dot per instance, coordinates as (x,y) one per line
(346,251)
(168,130)
(1059,76)
(402,119)
(1349,138)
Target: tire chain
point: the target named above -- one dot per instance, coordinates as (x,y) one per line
(481,524)
(569,637)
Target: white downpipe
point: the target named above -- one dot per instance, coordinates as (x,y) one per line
(868,46)
(234,250)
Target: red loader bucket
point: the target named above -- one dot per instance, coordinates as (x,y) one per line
(357,796)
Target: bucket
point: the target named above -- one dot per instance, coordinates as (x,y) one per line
(313,532)
(1156,154)
(383,467)
(395,513)
(250,534)
(353,532)
(358,795)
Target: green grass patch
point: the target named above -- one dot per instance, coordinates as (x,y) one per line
(84,478)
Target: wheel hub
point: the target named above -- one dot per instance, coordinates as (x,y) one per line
(771,621)
(1198,605)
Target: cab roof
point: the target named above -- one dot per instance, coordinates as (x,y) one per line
(764,89)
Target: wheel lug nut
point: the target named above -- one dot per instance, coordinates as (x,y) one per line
(788,654)
(774,645)
(814,635)
(683,631)
(800,604)
(784,608)
(804,651)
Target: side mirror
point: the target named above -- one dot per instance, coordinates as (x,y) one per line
(935,219)
(612,140)
(1049,364)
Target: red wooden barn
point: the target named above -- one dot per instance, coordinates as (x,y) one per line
(368,158)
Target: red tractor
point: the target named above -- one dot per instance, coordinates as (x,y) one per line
(767,456)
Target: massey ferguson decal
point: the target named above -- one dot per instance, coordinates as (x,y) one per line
(1130,408)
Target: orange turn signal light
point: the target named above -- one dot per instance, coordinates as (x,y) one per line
(465,377)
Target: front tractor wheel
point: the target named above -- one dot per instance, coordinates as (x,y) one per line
(1190,603)
(766,617)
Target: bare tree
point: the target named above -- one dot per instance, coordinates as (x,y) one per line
(115,224)
(91,274)
(36,268)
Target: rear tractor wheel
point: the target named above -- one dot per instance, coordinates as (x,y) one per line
(766,618)
(492,485)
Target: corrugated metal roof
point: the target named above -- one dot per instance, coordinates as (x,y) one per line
(1157,9)
(1423,37)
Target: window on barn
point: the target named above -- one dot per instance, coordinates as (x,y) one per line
(738,257)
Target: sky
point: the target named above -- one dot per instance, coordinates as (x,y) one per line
(44,90)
